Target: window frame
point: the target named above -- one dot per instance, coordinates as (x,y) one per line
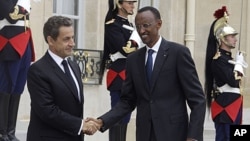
(79,19)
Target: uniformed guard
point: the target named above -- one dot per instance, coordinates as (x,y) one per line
(223,75)
(16,54)
(118,43)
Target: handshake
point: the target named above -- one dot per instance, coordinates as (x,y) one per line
(91,125)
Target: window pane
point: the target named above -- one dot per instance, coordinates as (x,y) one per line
(70,7)
(54,6)
(75,24)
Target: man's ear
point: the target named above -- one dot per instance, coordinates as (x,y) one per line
(50,40)
(159,23)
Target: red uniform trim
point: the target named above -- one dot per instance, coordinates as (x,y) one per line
(3,42)
(19,43)
(122,74)
(232,109)
(216,109)
(111,75)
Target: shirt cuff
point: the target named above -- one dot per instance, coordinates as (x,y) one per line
(80,130)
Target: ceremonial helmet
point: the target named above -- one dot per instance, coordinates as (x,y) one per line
(117,3)
(114,5)
(221,26)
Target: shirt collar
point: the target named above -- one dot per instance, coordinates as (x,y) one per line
(156,46)
(55,57)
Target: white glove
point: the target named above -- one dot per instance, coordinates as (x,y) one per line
(136,38)
(239,62)
(25,4)
(239,68)
(239,59)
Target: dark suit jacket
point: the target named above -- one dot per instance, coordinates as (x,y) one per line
(174,83)
(56,112)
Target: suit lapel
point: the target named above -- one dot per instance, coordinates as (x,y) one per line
(78,78)
(59,72)
(141,66)
(159,61)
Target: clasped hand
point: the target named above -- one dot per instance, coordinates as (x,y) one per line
(91,125)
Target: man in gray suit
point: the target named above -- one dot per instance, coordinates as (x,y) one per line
(56,89)
(162,91)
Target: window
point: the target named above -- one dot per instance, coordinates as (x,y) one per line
(71,9)
(142,3)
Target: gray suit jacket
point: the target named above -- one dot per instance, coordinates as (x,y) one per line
(56,112)
(163,106)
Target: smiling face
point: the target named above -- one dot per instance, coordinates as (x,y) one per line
(148,26)
(64,43)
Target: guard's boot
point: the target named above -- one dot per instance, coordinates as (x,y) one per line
(118,132)
(13,110)
(4,104)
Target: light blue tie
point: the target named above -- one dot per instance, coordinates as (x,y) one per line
(149,66)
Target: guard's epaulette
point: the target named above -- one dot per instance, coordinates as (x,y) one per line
(110,21)
(217,55)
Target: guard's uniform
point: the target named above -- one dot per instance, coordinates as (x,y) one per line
(223,76)
(16,54)
(226,108)
(116,38)
(118,43)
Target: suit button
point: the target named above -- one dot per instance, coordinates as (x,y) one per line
(151,101)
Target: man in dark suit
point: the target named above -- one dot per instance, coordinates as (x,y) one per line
(56,102)
(161,100)
(117,45)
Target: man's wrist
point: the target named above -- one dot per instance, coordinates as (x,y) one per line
(100,122)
